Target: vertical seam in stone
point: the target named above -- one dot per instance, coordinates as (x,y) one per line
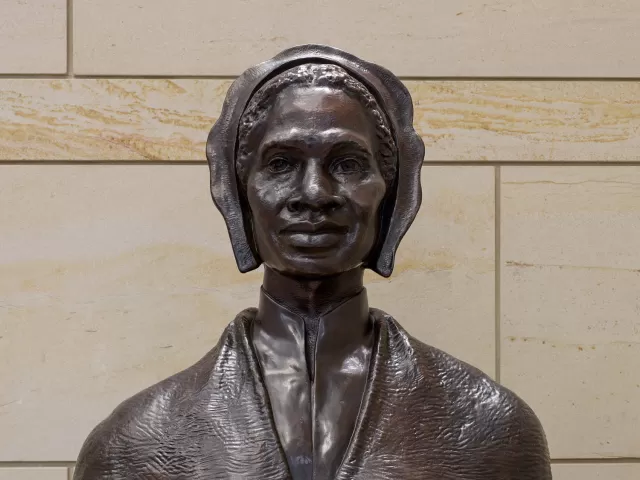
(496,254)
(70,38)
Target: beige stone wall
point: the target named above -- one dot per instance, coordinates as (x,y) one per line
(115,268)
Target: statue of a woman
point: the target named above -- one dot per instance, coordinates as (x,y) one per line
(315,166)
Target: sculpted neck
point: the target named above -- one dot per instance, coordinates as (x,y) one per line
(312,297)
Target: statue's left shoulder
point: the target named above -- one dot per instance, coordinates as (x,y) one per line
(512,428)
(487,430)
(491,418)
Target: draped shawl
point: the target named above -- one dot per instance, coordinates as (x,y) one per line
(424,416)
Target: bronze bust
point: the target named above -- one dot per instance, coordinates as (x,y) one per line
(315,167)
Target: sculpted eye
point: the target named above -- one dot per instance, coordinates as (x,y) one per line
(346,165)
(279,164)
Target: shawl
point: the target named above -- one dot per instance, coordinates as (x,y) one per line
(424,416)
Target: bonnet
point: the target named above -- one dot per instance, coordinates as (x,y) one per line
(404,198)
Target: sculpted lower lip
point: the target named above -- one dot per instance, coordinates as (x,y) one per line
(318,239)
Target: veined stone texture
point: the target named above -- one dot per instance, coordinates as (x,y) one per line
(169,119)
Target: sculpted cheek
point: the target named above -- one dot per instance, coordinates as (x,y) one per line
(267,196)
(368,196)
(270,197)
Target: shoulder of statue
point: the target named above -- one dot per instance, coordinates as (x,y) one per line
(124,442)
(465,387)
(490,413)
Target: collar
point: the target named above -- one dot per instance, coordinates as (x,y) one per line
(340,331)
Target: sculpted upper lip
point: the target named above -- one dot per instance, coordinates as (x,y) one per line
(315,227)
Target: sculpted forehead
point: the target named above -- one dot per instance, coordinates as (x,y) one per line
(317,115)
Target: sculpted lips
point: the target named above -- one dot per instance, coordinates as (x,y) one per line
(314,234)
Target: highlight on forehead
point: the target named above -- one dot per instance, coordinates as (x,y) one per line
(320,75)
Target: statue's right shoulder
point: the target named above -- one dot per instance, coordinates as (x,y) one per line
(123,445)
(145,434)
(126,445)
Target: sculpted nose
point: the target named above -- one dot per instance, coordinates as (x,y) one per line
(316,192)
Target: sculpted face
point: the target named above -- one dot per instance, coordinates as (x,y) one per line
(314,186)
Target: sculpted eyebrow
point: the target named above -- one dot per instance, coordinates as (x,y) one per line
(299,145)
(350,145)
(276,144)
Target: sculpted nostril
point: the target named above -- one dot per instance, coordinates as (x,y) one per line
(316,201)
(324,203)
(294,204)
(335,202)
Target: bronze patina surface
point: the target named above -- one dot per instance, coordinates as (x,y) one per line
(315,166)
